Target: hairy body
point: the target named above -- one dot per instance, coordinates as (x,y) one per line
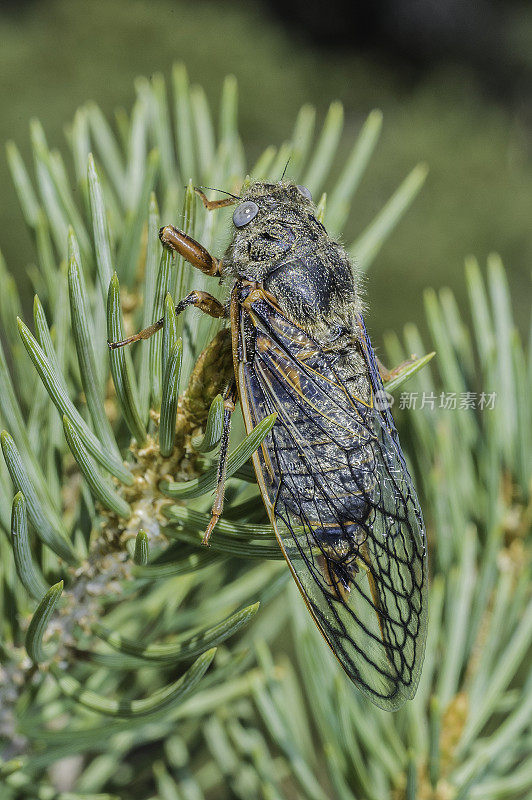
(288,252)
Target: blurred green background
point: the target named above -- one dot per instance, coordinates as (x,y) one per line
(57,54)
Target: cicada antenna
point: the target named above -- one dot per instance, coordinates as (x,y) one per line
(285,167)
(212,189)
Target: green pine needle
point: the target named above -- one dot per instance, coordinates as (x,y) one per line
(114,503)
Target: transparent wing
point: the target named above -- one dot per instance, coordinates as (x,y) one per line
(341,500)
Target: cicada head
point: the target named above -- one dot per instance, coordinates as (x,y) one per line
(279,242)
(266,224)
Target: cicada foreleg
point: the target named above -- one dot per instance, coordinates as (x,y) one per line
(202,300)
(187,247)
(200,258)
(191,250)
(230,398)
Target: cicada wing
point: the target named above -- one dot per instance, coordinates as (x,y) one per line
(342,503)
(398,514)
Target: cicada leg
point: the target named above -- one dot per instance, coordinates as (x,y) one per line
(211,205)
(387,374)
(191,250)
(202,300)
(230,398)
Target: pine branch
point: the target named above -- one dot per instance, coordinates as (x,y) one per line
(106,485)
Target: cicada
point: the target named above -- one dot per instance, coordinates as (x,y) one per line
(331,471)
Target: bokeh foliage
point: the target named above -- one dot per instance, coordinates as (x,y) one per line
(479,192)
(136,663)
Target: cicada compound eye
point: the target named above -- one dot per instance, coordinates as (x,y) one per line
(305,192)
(244,213)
